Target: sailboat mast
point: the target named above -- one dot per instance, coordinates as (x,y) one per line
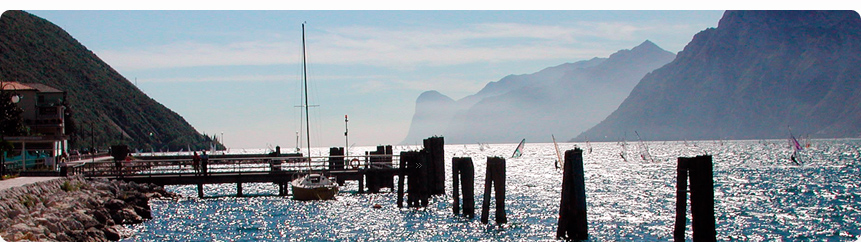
(305,77)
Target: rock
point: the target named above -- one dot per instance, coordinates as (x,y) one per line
(86,220)
(71,225)
(13,213)
(101,215)
(76,235)
(63,237)
(95,234)
(111,233)
(86,214)
(114,205)
(143,212)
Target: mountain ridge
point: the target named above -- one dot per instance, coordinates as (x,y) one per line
(534,105)
(105,106)
(757,75)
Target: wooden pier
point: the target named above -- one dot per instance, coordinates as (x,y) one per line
(239,169)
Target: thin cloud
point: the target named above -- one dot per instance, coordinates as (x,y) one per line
(400,48)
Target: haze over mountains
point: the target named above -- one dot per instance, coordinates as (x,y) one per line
(755,76)
(563,100)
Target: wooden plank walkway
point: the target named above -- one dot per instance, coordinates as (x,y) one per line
(179,170)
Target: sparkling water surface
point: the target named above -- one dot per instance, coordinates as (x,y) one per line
(760,195)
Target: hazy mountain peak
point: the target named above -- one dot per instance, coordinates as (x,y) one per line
(432,96)
(534,106)
(753,76)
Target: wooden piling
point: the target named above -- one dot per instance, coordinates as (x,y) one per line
(281,189)
(463,176)
(435,147)
(380,160)
(681,199)
(422,183)
(402,172)
(698,170)
(495,177)
(200,190)
(336,158)
(238,189)
(572,222)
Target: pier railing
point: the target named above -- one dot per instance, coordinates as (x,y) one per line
(185,166)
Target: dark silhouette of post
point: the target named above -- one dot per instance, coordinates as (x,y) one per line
(336,158)
(572,209)
(699,171)
(495,177)
(436,164)
(463,176)
(407,157)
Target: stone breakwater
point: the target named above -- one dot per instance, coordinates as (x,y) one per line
(75,209)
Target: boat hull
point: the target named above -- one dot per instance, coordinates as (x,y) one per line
(316,193)
(306,192)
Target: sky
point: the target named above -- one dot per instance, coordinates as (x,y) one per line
(238,74)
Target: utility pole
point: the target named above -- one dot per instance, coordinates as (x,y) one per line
(346,137)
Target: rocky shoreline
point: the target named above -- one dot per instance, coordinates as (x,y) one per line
(75,209)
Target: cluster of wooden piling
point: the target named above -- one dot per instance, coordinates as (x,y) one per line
(377,174)
(426,172)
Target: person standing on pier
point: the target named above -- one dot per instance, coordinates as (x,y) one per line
(204,159)
(195,162)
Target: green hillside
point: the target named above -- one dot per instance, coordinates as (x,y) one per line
(105,106)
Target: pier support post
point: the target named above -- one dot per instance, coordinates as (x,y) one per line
(699,171)
(200,190)
(381,159)
(362,185)
(281,191)
(463,175)
(435,146)
(239,189)
(495,177)
(336,158)
(572,209)
(407,157)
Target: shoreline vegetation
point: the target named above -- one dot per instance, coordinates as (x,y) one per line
(75,209)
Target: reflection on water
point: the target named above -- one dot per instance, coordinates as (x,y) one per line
(759,195)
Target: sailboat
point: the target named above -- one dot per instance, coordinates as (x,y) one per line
(558,155)
(519,150)
(644,149)
(311,186)
(796,147)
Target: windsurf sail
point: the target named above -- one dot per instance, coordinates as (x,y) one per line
(519,150)
(796,147)
(558,155)
(644,149)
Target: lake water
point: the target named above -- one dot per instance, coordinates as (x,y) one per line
(759,195)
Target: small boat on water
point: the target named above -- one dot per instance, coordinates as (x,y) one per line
(311,186)
(314,187)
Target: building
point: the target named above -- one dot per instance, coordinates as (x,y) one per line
(44,109)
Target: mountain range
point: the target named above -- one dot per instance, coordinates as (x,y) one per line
(563,100)
(105,106)
(759,74)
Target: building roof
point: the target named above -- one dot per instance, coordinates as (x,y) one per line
(42,87)
(16,86)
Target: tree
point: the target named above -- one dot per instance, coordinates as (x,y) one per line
(11,123)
